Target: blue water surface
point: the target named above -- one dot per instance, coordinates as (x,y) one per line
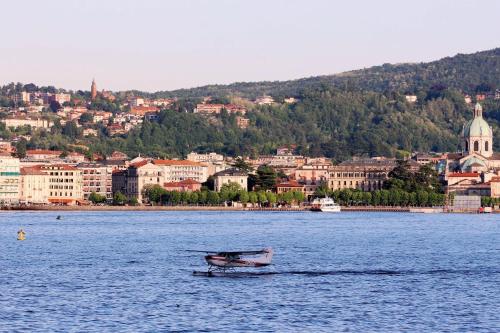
(355,272)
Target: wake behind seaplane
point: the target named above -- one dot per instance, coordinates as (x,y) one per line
(221,261)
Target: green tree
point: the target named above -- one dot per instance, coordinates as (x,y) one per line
(97,198)
(154,193)
(262,197)
(213,198)
(242,165)
(193,200)
(119,199)
(298,196)
(288,197)
(21,148)
(271,198)
(266,177)
(133,201)
(253,198)
(86,118)
(230,191)
(244,197)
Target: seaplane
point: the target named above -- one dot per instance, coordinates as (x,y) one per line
(220,262)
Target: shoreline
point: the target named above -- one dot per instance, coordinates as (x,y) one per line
(225,209)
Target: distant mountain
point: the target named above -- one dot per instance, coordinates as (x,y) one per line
(465,72)
(362,112)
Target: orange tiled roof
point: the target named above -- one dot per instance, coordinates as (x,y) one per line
(184,182)
(177,162)
(32,171)
(43,152)
(139,164)
(291,183)
(464,174)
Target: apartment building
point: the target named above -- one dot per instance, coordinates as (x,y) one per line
(177,170)
(65,184)
(34,187)
(9,179)
(231,175)
(97,177)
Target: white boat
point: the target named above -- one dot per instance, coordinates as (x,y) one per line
(325,205)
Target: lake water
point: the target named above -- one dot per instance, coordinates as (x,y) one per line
(359,272)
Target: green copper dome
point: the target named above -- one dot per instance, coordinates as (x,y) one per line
(477,127)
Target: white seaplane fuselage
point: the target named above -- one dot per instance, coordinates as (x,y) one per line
(228,261)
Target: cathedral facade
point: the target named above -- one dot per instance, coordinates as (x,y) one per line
(475,170)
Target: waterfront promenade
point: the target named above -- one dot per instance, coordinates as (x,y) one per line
(229,208)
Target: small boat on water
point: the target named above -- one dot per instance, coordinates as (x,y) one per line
(325,205)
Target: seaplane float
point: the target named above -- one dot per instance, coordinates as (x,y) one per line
(221,262)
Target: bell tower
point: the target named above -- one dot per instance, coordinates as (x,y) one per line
(93,90)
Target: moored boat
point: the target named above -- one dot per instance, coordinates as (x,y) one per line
(325,205)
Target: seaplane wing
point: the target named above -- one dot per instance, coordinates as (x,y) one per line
(242,253)
(231,253)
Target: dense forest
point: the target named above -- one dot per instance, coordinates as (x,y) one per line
(465,72)
(357,113)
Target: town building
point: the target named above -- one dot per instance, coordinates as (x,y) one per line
(495,187)
(21,121)
(264,100)
(208,108)
(290,100)
(187,185)
(290,185)
(142,110)
(366,174)
(205,158)
(163,102)
(65,183)
(470,171)
(34,187)
(117,156)
(60,98)
(6,147)
(139,176)
(214,162)
(136,101)
(177,170)
(42,155)
(217,108)
(242,122)
(478,154)
(231,175)
(467,183)
(9,179)
(22,97)
(411,98)
(97,178)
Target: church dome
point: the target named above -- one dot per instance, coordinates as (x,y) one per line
(477,127)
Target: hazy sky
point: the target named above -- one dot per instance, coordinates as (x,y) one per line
(163,45)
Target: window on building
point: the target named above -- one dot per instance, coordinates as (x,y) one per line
(486,146)
(476,146)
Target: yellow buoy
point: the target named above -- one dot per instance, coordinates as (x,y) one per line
(21,235)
